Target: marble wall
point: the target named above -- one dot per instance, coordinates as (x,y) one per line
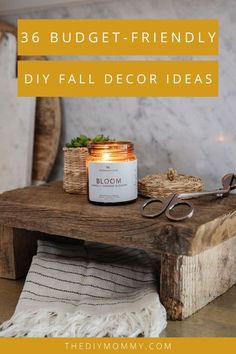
(195,135)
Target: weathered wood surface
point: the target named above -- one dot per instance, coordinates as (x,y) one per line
(189,283)
(46,138)
(16,250)
(49,209)
(17,247)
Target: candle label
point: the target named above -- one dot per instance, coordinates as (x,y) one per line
(112,182)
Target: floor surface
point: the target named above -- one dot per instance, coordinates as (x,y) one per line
(218,319)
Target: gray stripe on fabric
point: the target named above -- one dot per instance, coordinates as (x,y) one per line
(78,283)
(99,269)
(66,291)
(135,297)
(87,276)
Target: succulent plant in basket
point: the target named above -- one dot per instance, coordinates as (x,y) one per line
(75,154)
(84,141)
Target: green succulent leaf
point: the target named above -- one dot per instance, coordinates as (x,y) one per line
(84,141)
(100,138)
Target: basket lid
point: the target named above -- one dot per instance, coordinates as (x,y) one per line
(168,183)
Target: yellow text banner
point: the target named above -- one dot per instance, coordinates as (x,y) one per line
(118,345)
(118,78)
(117,37)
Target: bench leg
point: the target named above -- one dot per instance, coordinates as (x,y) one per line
(190,283)
(17,248)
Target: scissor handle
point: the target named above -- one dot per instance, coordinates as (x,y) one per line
(176,204)
(229,181)
(160,200)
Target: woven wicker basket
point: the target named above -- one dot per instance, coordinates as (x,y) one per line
(75,177)
(162,185)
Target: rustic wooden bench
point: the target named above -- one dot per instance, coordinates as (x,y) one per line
(198,256)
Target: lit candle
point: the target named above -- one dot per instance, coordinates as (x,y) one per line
(112,172)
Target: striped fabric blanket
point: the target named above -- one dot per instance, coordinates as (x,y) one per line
(88,290)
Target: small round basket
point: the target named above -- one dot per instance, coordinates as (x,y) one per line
(162,185)
(75,176)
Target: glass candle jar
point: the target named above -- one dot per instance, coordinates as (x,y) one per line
(112,172)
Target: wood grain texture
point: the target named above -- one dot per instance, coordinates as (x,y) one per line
(17,247)
(7,262)
(170,285)
(16,250)
(190,283)
(47,136)
(49,209)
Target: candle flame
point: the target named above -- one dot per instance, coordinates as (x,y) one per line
(106,156)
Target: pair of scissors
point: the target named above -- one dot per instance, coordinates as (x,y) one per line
(175,200)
